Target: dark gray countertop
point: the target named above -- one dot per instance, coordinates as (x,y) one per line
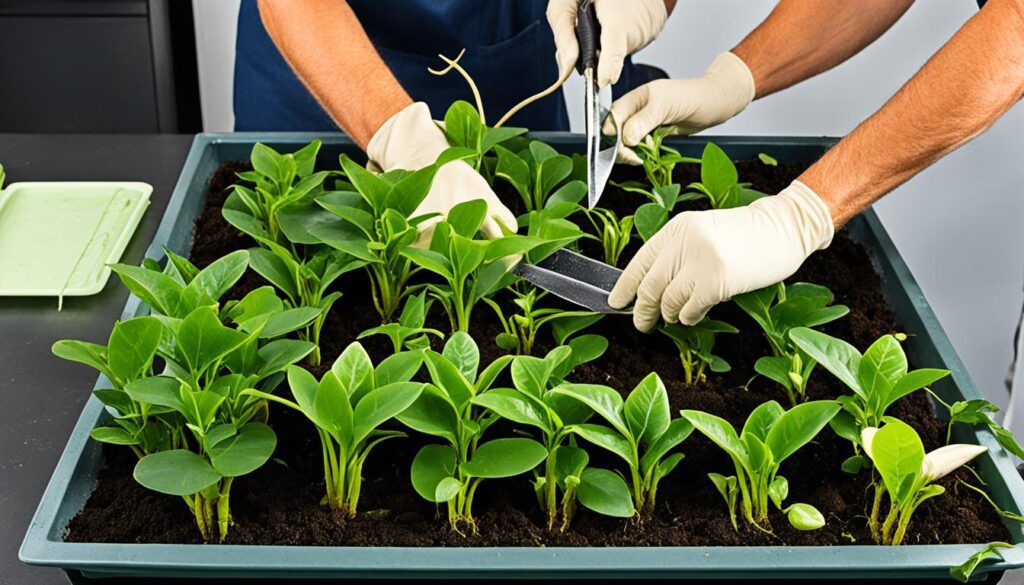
(42,396)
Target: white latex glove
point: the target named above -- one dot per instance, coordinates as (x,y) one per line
(701,258)
(626,27)
(412,140)
(691,105)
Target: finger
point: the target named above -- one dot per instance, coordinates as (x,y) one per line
(562,19)
(624,108)
(647,309)
(697,307)
(613,54)
(625,288)
(675,297)
(642,123)
(625,155)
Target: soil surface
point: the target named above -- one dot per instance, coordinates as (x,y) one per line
(279,503)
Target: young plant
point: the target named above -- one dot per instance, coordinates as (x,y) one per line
(878,378)
(979,411)
(469,137)
(695,345)
(908,474)
(659,160)
(778,309)
(770,435)
(347,406)
(283,184)
(520,330)
(409,332)
(127,357)
(450,473)
(613,232)
(642,432)
(533,402)
(539,174)
(376,226)
(719,181)
(472,269)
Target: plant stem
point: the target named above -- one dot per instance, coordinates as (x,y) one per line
(876,506)
(224,508)
(551,488)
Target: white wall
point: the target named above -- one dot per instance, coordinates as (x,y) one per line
(958,224)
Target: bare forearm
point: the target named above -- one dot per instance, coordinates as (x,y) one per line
(967,85)
(328,49)
(802,38)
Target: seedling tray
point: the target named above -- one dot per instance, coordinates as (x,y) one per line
(56,239)
(75,475)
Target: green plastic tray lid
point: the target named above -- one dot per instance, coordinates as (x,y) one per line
(56,239)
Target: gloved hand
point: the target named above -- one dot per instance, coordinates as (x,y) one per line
(412,140)
(691,105)
(701,258)
(626,27)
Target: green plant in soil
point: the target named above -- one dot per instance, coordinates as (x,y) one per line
(978,411)
(696,344)
(660,160)
(520,329)
(410,331)
(532,402)
(778,309)
(283,189)
(908,475)
(770,435)
(539,174)
(472,269)
(127,357)
(347,406)
(451,473)
(470,138)
(613,232)
(719,181)
(642,432)
(376,227)
(878,378)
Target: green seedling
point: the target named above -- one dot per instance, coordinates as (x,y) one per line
(376,227)
(770,435)
(979,411)
(719,181)
(613,232)
(127,357)
(778,309)
(908,474)
(539,174)
(878,378)
(642,432)
(696,344)
(347,406)
(659,160)
(520,330)
(470,138)
(410,331)
(533,402)
(962,573)
(472,269)
(450,473)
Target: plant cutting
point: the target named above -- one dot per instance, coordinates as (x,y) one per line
(778,309)
(770,436)
(347,406)
(533,402)
(410,331)
(963,572)
(695,345)
(719,181)
(376,226)
(450,473)
(878,378)
(472,269)
(642,432)
(520,330)
(613,232)
(539,174)
(908,474)
(978,411)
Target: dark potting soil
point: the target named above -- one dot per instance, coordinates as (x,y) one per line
(279,503)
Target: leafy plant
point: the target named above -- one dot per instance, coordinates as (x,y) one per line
(472,269)
(660,160)
(450,473)
(908,474)
(376,226)
(613,232)
(539,174)
(410,331)
(979,411)
(695,345)
(778,309)
(719,181)
(963,572)
(878,378)
(769,436)
(469,137)
(127,357)
(520,330)
(347,406)
(533,402)
(642,432)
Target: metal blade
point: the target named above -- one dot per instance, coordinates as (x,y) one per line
(601,150)
(574,278)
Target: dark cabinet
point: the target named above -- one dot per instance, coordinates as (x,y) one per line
(98,66)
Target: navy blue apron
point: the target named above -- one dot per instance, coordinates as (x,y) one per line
(510,53)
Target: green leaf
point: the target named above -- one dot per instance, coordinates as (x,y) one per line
(504,458)
(461,350)
(133,344)
(531,374)
(281,353)
(399,367)
(463,127)
(354,370)
(647,411)
(990,551)
(467,217)
(607,439)
(854,464)
(605,492)
(798,426)
(203,340)
(221,274)
(882,365)
(720,432)
(433,261)
(512,405)
(649,218)
(177,472)
(83,352)
(276,270)
(433,414)
(768,160)
(381,405)
(603,400)
(114,436)
(333,407)
(897,453)
(677,432)
(156,390)
(156,289)
(761,420)
(913,381)
(432,465)
(837,356)
(717,171)
(805,517)
(778,490)
(244,452)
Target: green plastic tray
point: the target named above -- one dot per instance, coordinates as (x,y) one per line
(75,475)
(56,239)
